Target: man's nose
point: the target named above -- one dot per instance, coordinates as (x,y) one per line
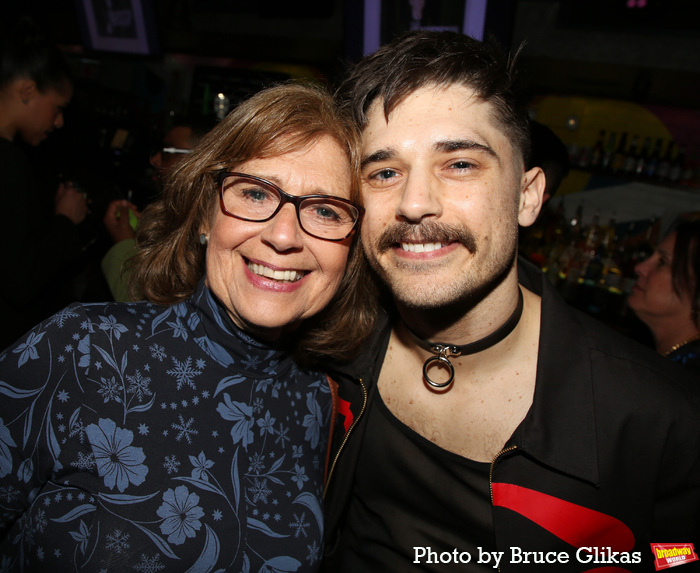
(419,198)
(157,160)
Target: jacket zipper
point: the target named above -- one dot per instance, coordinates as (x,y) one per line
(347,435)
(493,465)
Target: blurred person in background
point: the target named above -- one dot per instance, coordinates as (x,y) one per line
(666,296)
(121,216)
(38,240)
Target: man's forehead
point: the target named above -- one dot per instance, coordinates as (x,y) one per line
(460,92)
(179,136)
(454,113)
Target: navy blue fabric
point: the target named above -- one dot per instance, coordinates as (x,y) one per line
(142,438)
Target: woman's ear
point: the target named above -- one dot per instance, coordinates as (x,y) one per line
(531,196)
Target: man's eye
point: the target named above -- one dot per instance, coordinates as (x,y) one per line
(383,175)
(461,165)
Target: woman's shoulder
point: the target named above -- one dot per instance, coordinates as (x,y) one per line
(75,322)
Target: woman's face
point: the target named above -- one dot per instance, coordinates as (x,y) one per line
(653,297)
(273,275)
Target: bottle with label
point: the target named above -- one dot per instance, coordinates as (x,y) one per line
(664,170)
(642,157)
(631,157)
(677,165)
(652,163)
(609,151)
(598,151)
(618,160)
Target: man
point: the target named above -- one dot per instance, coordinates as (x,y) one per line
(121,216)
(487,418)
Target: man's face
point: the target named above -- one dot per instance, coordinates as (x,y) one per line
(44,113)
(179,137)
(442,188)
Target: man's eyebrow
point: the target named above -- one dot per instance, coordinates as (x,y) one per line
(377,156)
(450,145)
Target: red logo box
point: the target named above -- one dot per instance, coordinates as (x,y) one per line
(667,555)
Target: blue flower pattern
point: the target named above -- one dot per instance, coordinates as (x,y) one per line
(142,438)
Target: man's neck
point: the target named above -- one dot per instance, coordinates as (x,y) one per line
(465,321)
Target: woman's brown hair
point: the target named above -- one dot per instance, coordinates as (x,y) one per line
(278,120)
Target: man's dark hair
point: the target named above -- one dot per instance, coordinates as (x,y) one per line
(422,58)
(26,52)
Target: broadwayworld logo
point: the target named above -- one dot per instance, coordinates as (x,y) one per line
(668,555)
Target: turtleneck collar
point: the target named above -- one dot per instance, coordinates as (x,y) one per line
(215,332)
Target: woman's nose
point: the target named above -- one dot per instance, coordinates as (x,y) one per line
(642,268)
(283,231)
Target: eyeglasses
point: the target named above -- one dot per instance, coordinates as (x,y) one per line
(251,198)
(167,151)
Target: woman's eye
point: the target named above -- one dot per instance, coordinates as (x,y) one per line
(255,194)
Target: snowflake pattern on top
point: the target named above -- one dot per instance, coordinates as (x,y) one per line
(142,438)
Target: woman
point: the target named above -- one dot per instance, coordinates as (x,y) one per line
(178,434)
(37,240)
(666,296)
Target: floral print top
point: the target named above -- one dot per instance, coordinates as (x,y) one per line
(142,438)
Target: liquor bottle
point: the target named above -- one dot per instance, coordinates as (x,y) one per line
(576,225)
(609,151)
(584,157)
(691,170)
(652,164)
(598,150)
(618,160)
(592,233)
(630,161)
(642,157)
(664,169)
(677,165)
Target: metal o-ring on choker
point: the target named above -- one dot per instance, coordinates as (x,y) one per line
(443,352)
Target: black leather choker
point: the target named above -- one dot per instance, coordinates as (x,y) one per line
(443,352)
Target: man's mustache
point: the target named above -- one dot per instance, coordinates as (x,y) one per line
(426,232)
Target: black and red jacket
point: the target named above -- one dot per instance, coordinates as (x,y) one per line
(608,455)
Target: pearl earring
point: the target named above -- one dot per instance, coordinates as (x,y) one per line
(203,239)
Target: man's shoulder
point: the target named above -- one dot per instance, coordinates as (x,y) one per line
(625,368)
(368,360)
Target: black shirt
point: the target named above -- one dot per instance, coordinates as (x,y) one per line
(415,506)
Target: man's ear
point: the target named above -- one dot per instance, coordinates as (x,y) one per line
(27,90)
(531,196)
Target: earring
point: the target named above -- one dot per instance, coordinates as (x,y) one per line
(203,239)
